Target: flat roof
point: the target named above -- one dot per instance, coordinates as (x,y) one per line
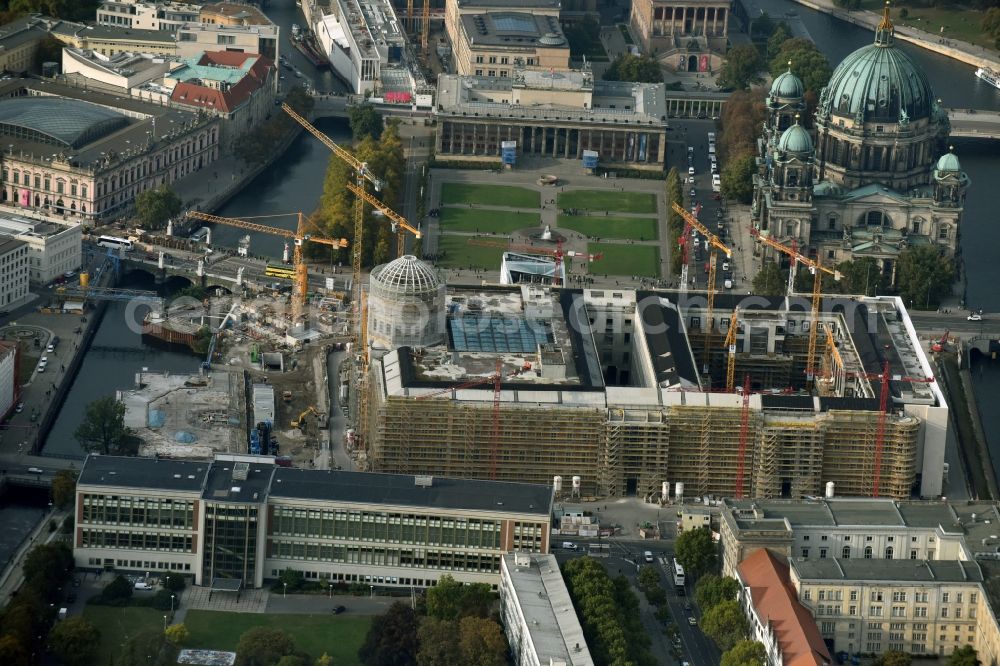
(513,29)
(890,571)
(180,476)
(510,4)
(114,32)
(239,481)
(8,244)
(437,492)
(545,604)
(854,512)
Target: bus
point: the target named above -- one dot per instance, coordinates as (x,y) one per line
(115,242)
(678,576)
(280,271)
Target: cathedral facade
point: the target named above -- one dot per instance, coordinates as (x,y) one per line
(874,176)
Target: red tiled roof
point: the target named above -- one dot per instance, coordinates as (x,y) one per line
(776,601)
(193,94)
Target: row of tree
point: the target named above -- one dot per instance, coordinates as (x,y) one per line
(609,613)
(453,624)
(259,145)
(923,278)
(71,10)
(991,25)
(675,223)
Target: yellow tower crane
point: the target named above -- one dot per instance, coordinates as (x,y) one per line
(425,29)
(300,235)
(731,350)
(712,240)
(361,174)
(399,224)
(817,269)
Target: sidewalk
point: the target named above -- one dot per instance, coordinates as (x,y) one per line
(13,573)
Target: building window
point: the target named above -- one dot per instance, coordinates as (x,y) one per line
(503,73)
(831,223)
(945,597)
(942,233)
(888,552)
(531,62)
(493,60)
(226,40)
(479,72)
(915,227)
(944,611)
(504,60)
(805,553)
(846,553)
(479,60)
(868,552)
(492,72)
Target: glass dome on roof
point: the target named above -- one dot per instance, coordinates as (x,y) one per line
(63,122)
(406,275)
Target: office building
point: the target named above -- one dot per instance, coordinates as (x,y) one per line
(537,613)
(240,520)
(684,35)
(147,15)
(551,114)
(119,73)
(86,154)
(360,39)
(10,388)
(851,528)
(777,619)
(52,245)
(194,39)
(13,274)
(614,383)
(110,40)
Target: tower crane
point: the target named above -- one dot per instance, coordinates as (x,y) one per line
(744,432)
(398,222)
(713,240)
(731,351)
(300,235)
(496,379)
(425,29)
(883,412)
(817,270)
(361,174)
(557,253)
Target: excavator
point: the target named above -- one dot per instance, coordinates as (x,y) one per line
(300,422)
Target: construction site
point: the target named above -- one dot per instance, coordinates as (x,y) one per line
(632,393)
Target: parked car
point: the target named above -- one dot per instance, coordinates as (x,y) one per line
(693,621)
(339,609)
(975,316)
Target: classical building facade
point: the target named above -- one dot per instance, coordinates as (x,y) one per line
(13,276)
(874,176)
(685,35)
(86,154)
(557,114)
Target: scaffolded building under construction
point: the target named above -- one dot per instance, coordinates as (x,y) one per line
(605,386)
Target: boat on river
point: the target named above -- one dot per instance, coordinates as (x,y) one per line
(990,76)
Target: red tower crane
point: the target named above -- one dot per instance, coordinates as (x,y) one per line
(883,406)
(496,379)
(744,428)
(557,253)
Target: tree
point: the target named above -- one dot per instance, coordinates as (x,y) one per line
(860,276)
(148,647)
(12,650)
(482,642)
(712,590)
(696,551)
(177,633)
(737,178)
(745,653)
(102,429)
(780,35)
(75,641)
(47,567)
(392,639)
(450,600)
(154,207)
(741,68)
(675,223)
(293,579)
(323,660)
(741,119)
(725,624)
(584,38)
(648,577)
(893,658)
(640,69)
(365,121)
(964,656)
(438,644)
(924,276)
(808,63)
(264,646)
(116,593)
(769,281)
(174,582)
(64,488)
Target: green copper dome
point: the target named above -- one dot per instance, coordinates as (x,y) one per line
(787,86)
(948,162)
(795,139)
(878,83)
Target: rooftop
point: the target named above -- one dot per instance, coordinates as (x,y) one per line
(131,138)
(545,604)
(180,476)
(26,228)
(514,30)
(121,64)
(246,13)
(68,123)
(239,479)
(887,571)
(510,4)
(406,490)
(8,245)
(777,603)
(120,33)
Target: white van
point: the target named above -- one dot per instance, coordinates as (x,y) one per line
(568,545)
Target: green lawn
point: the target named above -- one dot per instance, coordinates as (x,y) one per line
(633,228)
(605,200)
(960,23)
(641,260)
(490,195)
(480,219)
(340,636)
(459,254)
(117,625)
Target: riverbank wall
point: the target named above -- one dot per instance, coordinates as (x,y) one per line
(967,426)
(962,51)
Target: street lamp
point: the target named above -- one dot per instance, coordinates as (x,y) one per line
(284,591)
(172,598)
(164,623)
(373,590)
